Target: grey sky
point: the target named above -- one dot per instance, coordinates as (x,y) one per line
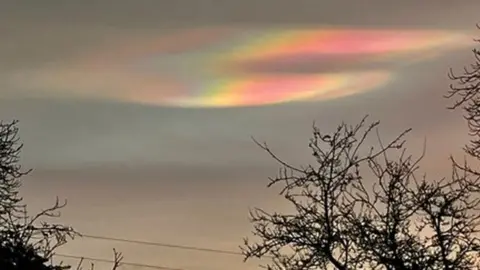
(188,176)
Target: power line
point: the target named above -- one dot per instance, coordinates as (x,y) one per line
(166,245)
(151,266)
(149,243)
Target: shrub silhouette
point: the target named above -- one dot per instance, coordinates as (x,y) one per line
(27,241)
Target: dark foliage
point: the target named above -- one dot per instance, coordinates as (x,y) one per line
(27,241)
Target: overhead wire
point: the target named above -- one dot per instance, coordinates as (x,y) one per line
(151,266)
(149,243)
(161,244)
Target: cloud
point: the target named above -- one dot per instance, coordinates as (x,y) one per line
(179,171)
(209,67)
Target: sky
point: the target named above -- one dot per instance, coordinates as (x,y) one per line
(141,113)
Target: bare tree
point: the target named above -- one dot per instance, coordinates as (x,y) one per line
(27,241)
(363,207)
(117,261)
(466,90)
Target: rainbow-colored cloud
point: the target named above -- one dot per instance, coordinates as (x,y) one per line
(224,67)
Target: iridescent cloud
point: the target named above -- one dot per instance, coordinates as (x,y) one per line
(273,89)
(224,67)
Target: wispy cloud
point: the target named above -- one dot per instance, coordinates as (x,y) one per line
(222,67)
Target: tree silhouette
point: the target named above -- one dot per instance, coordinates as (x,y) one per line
(27,241)
(466,88)
(365,207)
